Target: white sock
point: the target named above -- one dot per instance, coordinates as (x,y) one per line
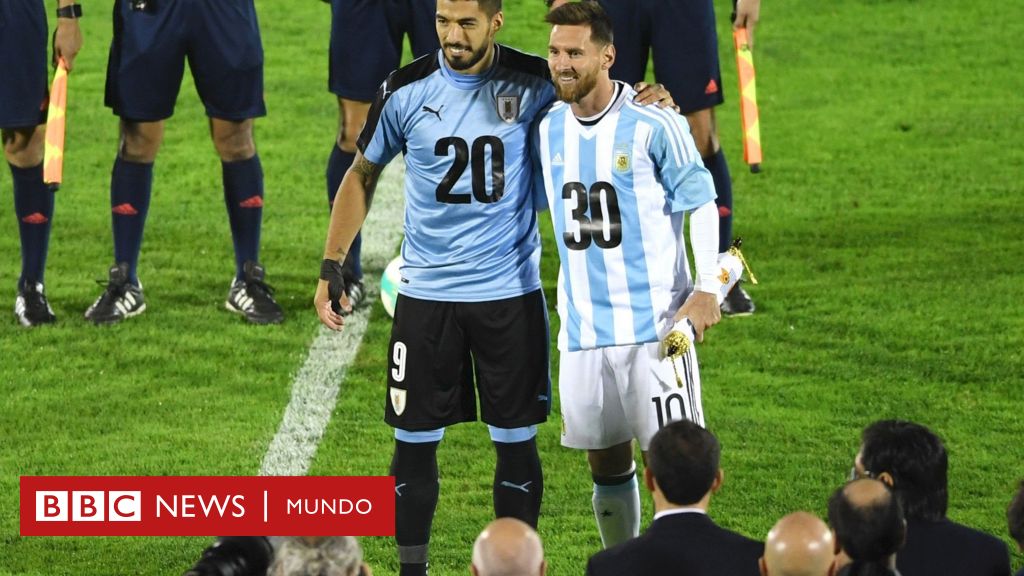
(617,508)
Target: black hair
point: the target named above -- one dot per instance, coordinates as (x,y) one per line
(917,461)
(491,7)
(869,533)
(683,457)
(584,14)
(1015,515)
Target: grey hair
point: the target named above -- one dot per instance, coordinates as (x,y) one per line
(331,556)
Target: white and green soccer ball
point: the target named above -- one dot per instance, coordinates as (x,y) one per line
(389,285)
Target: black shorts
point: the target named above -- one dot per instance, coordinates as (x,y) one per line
(439,349)
(23,92)
(682,37)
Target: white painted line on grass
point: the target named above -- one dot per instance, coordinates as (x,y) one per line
(315,387)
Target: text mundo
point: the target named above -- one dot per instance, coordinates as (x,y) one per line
(329,506)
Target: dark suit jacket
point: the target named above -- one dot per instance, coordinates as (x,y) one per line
(686,544)
(951,549)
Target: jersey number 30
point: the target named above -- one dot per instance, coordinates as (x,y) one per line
(603,226)
(475,160)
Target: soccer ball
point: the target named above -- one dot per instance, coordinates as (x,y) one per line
(389,285)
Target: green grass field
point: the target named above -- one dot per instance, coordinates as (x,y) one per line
(885,228)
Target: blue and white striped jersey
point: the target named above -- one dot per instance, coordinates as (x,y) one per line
(618,189)
(470,224)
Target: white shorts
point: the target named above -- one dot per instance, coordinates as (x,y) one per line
(612,395)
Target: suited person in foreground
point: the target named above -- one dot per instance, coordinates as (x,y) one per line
(682,473)
(1015,519)
(869,526)
(912,460)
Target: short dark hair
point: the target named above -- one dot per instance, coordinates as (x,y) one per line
(683,457)
(1015,515)
(917,461)
(865,569)
(490,7)
(869,533)
(584,14)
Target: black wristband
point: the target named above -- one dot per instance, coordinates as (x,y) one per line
(70,11)
(330,270)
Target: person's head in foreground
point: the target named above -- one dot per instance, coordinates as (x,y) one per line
(508,547)
(869,527)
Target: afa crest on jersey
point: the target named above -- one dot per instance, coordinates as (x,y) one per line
(508,107)
(622,158)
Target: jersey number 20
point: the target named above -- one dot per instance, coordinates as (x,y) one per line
(475,160)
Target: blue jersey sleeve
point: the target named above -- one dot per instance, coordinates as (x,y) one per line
(687,182)
(383,137)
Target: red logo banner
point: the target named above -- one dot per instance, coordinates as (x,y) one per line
(207,505)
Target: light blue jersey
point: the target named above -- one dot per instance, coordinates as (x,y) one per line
(470,226)
(618,187)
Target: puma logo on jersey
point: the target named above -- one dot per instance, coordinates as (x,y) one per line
(434,112)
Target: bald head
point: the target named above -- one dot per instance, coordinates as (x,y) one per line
(508,547)
(799,544)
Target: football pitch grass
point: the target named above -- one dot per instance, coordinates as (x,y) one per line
(885,228)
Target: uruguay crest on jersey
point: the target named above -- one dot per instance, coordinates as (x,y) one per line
(508,107)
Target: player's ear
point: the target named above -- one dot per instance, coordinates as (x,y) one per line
(716,484)
(498,20)
(608,57)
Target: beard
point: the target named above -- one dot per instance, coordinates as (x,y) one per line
(467,59)
(575,92)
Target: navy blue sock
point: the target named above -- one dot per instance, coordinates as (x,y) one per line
(243,196)
(719,169)
(518,481)
(414,467)
(33,205)
(337,165)
(131,185)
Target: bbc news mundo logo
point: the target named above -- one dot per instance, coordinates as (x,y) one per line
(207,505)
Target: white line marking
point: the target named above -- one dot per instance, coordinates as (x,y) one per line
(315,386)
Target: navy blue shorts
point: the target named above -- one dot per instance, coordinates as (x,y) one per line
(220,38)
(681,35)
(23,92)
(366,41)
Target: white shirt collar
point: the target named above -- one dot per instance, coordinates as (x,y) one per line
(683,510)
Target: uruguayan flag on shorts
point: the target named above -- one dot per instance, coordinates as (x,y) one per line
(618,191)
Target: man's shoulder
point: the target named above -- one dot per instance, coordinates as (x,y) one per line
(954,531)
(671,539)
(955,548)
(414,71)
(523,62)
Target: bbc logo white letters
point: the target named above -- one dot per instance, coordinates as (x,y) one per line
(88,506)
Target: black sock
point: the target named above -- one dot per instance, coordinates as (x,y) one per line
(518,481)
(414,467)
(719,169)
(337,165)
(131,185)
(33,205)
(243,196)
